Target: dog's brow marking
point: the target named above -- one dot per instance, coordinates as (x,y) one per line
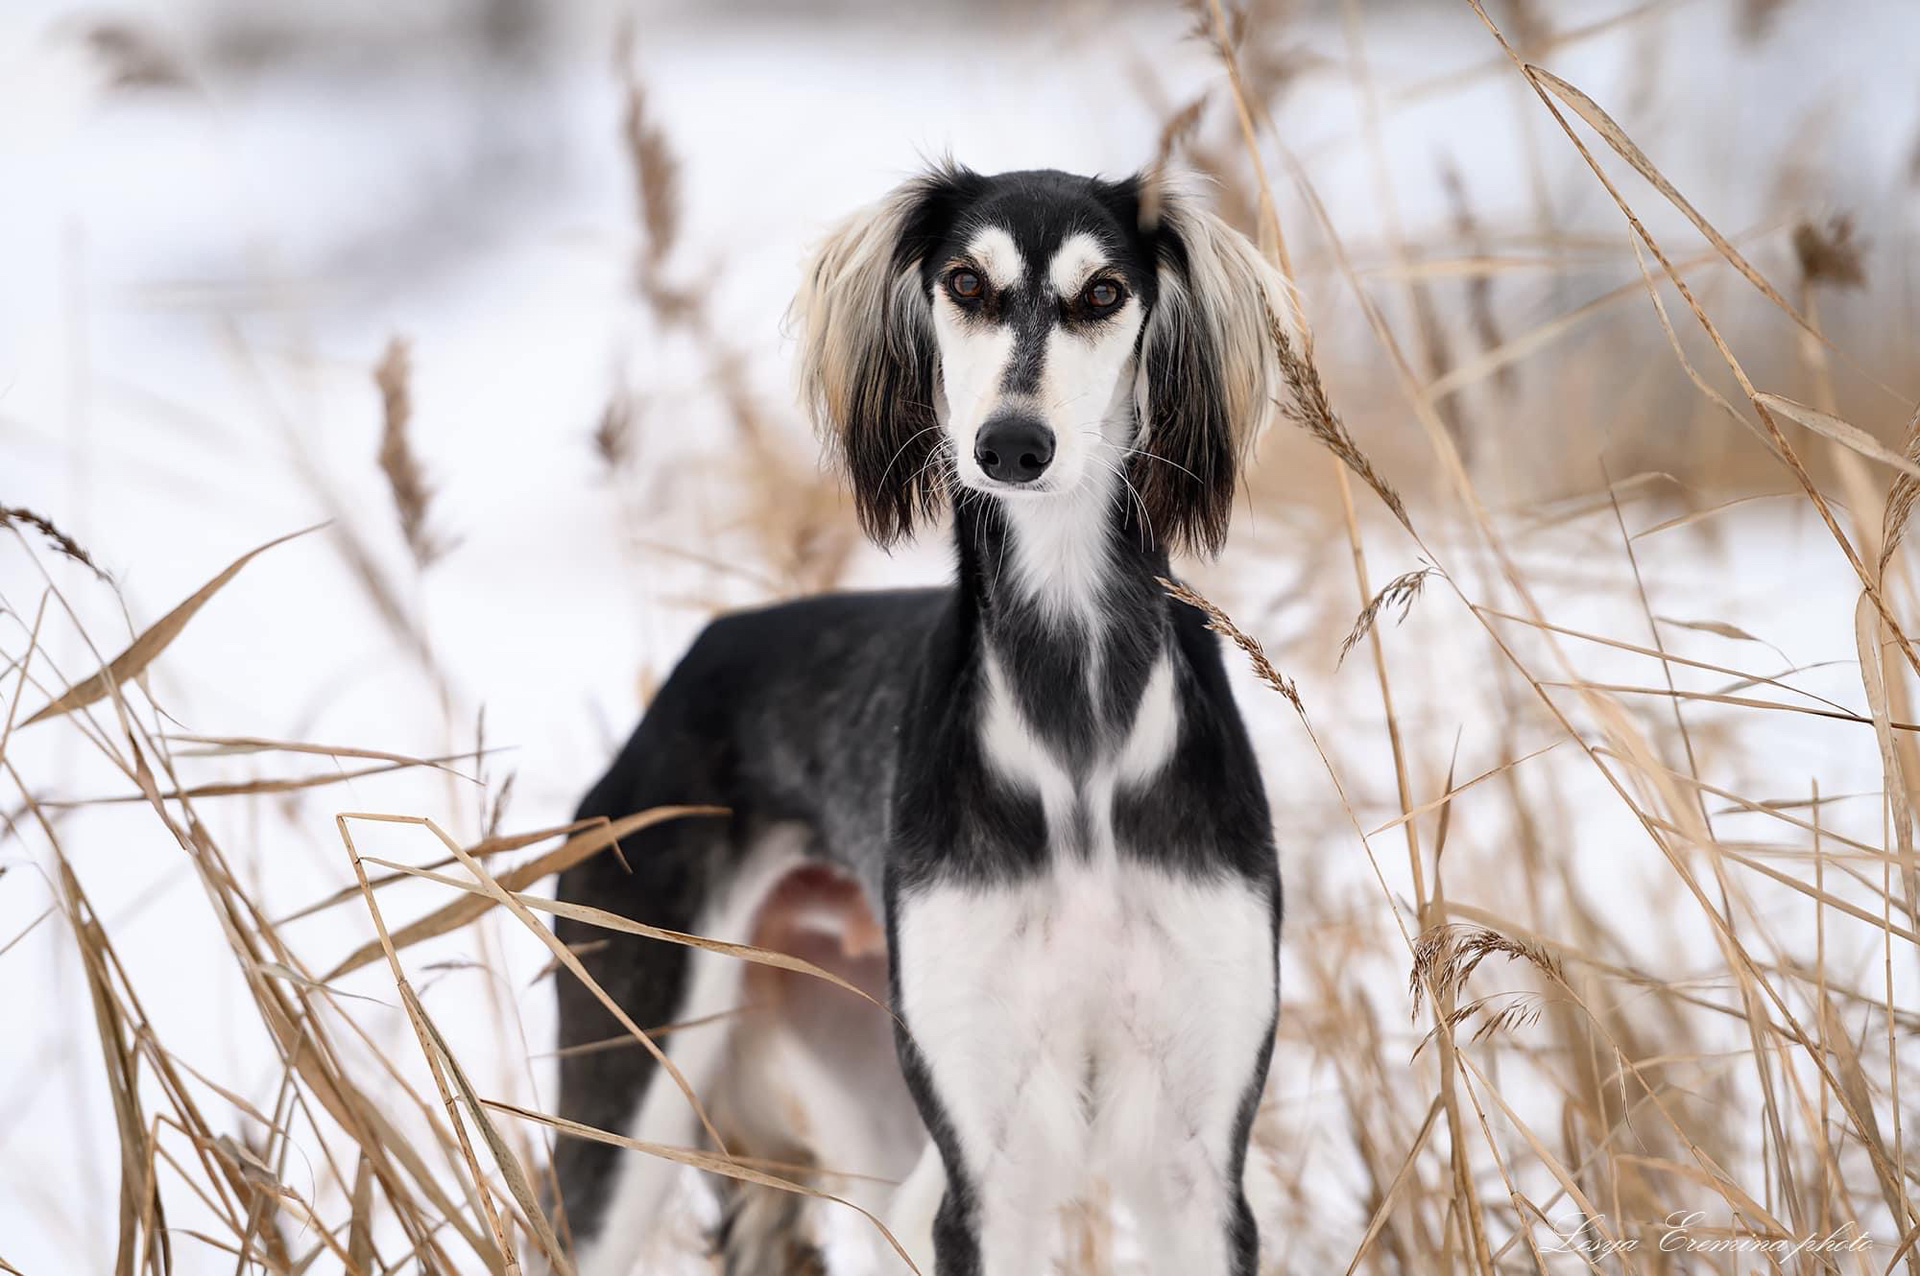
(1075,261)
(999,256)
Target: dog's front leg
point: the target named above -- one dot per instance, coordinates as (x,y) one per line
(989,1047)
(1183,1062)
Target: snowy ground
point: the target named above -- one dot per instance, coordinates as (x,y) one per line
(197,284)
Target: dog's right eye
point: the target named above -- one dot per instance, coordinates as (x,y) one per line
(966,285)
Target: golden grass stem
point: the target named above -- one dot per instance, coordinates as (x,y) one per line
(416,1016)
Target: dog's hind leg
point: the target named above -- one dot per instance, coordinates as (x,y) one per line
(911,1213)
(765,1232)
(614,1196)
(811,1081)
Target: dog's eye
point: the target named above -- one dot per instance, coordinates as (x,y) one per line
(966,285)
(1103,295)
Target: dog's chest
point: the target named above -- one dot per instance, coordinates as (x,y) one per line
(1106,1004)
(1076,784)
(1100,1009)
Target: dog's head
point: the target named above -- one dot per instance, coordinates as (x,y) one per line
(1024,333)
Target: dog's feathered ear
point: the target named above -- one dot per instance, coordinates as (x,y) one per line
(1209,378)
(868,362)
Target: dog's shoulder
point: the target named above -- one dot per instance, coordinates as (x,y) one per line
(805,631)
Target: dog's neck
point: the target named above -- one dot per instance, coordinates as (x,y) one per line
(1068,610)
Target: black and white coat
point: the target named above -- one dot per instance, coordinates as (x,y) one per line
(1036,774)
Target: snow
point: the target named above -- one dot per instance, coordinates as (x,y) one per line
(198,284)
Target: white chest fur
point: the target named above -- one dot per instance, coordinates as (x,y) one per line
(1103,1012)
(1104,1015)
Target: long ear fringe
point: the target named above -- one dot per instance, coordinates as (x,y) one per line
(1211,372)
(868,363)
(1241,296)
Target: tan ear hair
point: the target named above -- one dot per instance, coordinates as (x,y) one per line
(1210,380)
(868,361)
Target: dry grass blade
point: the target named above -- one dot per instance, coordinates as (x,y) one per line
(1394,1188)
(1455,790)
(256,788)
(1702,515)
(656,176)
(62,542)
(436,1063)
(1716,697)
(138,1195)
(700,1161)
(1718,628)
(1875,681)
(1853,1083)
(613,436)
(1893,523)
(613,921)
(263,1193)
(1309,408)
(406,480)
(131,662)
(1825,898)
(503,1156)
(1617,138)
(1447,956)
(1700,383)
(1667,657)
(1844,433)
(28,929)
(220,746)
(1499,359)
(1399,593)
(1212,21)
(485,847)
(558,860)
(546,936)
(1220,623)
(360,1223)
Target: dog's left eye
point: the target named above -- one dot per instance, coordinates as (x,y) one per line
(1102,295)
(966,285)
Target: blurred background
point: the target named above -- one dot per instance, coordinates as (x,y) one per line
(495,290)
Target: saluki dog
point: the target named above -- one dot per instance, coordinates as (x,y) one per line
(1022,809)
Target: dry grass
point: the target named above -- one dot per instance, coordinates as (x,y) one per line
(62,542)
(1730,1035)
(406,479)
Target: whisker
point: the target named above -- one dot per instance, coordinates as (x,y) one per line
(1055,407)
(902,449)
(1134,492)
(1151,456)
(940,452)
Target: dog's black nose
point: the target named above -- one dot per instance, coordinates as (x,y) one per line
(1014,448)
